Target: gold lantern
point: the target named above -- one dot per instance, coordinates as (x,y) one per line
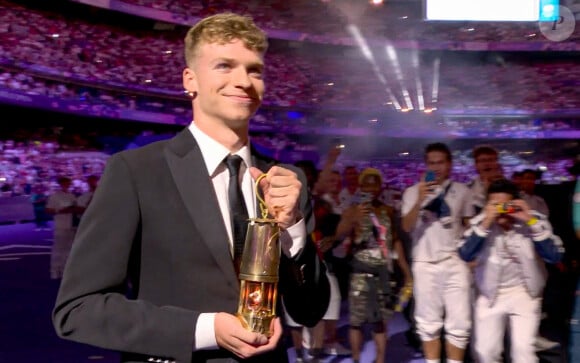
(259,272)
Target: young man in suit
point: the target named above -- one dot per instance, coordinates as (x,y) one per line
(152,271)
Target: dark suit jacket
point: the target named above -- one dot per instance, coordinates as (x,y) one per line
(152,253)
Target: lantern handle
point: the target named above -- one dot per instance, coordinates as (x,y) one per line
(262,202)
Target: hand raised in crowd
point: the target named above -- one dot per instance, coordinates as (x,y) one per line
(333,154)
(281,189)
(231,335)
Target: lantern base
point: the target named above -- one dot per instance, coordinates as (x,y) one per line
(257,324)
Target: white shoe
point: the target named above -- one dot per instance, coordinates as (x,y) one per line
(336,349)
(545,344)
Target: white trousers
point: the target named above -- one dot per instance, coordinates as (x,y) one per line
(513,306)
(442,298)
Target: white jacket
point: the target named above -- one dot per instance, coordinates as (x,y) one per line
(530,245)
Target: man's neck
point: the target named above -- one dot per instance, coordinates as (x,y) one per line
(232,139)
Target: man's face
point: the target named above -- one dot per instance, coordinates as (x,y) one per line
(517,180)
(351,176)
(528,183)
(335,183)
(228,81)
(487,166)
(371,184)
(438,162)
(505,220)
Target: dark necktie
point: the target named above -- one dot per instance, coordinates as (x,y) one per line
(238,211)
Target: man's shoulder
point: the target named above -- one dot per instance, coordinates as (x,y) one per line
(144,154)
(411,189)
(474,183)
(460,187)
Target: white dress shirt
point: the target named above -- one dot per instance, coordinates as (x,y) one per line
(292,240)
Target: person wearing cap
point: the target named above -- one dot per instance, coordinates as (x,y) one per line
(370,224)
(511,244)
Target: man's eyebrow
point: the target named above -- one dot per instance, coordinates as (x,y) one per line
(222,59)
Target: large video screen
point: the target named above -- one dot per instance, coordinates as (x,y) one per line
(491,10)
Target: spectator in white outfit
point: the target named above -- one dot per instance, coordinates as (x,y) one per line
(510,243)
(62,205)
(433,214)
(85,198)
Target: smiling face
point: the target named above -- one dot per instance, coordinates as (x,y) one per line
(228,82)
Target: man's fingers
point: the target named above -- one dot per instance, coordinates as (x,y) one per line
(279,192)
(280,171)
(273,340)
(256,173)
(278,181)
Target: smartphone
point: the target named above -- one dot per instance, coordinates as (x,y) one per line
(362,198)
(430,176)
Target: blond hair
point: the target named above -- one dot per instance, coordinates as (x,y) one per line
(225,28)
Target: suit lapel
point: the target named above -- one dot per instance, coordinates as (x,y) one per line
(196,189)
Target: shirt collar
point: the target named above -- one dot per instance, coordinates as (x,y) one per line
(214,153)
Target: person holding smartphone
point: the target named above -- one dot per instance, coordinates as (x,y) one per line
(433,211)
(370,225)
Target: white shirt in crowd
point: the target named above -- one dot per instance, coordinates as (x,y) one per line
(432,242)
(60,200)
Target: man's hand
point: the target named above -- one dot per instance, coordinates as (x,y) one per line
(491,212)
(425,189)
(281,189)
(523,214)
(333,154)
(231,335)
(362,211)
